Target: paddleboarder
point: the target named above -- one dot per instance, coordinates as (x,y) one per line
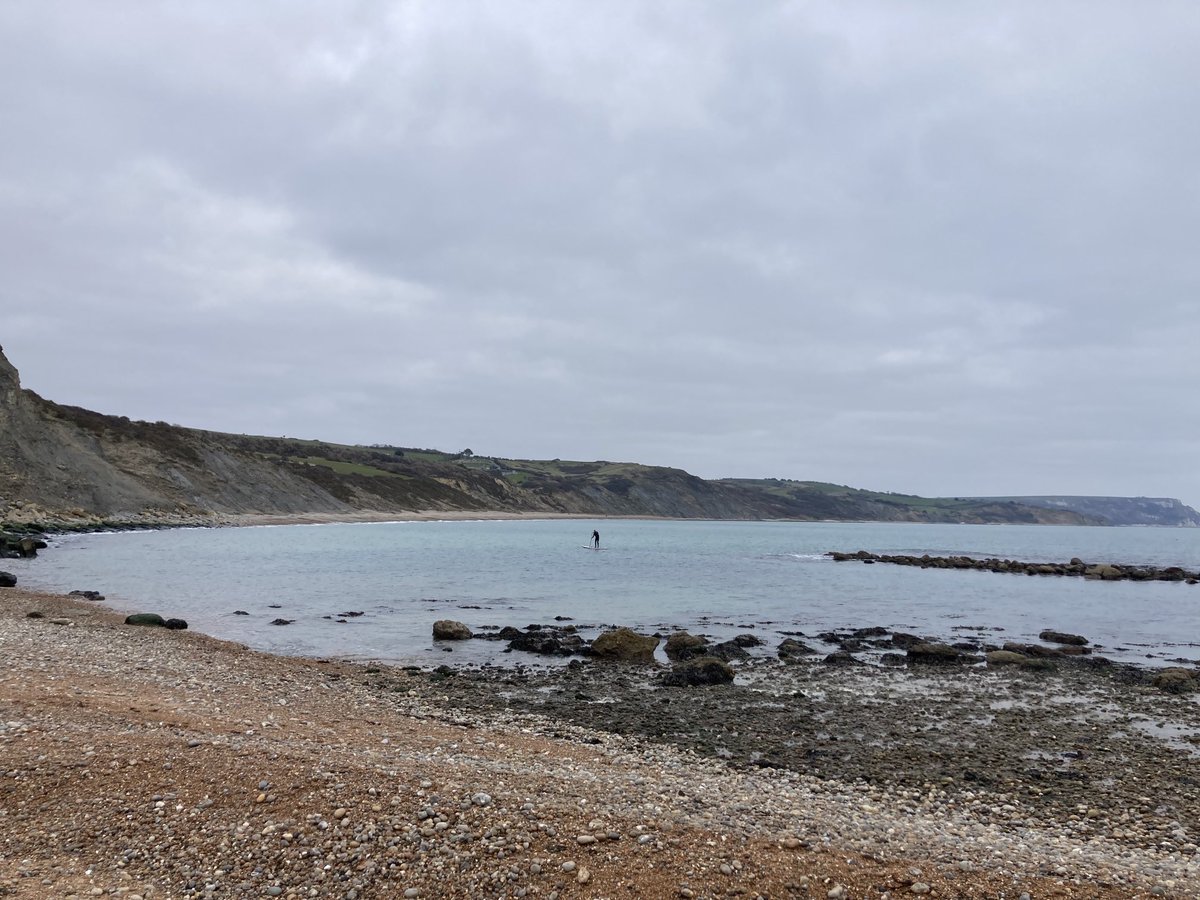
(596,540)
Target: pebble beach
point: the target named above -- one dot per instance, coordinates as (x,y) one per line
(146,763)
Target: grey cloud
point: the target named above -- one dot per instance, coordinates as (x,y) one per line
(940,249)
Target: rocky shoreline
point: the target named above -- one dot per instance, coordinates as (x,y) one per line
(1076,567)
(153,763)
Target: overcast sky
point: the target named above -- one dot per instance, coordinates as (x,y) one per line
(941,248)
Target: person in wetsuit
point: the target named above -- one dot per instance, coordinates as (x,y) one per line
(596,540)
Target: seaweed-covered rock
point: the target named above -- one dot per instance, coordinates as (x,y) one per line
(1005,658)
(1176,681)
(1061,637)
(1038,651)
(938,655)
(152,619)
(705,670)
(545,642)
(682,646)
(449,630)
(790,649)
(842,658)
(747,640)
(625,645)
(728,651)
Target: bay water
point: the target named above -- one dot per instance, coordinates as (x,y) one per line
(712,577)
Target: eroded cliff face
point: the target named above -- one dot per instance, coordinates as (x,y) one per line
(10,381)
(62,465)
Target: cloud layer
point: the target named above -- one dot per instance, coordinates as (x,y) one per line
(943,250)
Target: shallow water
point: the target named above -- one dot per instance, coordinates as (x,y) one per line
(718,578)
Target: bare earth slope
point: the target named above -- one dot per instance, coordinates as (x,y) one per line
(62,466)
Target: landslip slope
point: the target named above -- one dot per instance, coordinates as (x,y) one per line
(62,466)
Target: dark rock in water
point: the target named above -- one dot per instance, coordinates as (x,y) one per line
(625,645)
(546,643)
(283,621)
(903,641)
(351,614)
(274,606)
(1061,637)
(704,670)
(175,624)
(449,630)
(146,619)
(790,648)
(747,640)
(30,546)
(728,651)
(1074,650)
(938,655)
(877,631)
(682,646)
(842,658)
(1038,651)
(8,579)
(87,595)
(240,612)
(508,633)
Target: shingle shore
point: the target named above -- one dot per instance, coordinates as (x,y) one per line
(146,763)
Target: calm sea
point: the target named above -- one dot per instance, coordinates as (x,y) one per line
(718,578)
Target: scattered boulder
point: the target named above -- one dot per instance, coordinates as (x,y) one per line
(747,640)
(704,670)
(35,615)
(1104,572)
(546,642)
(449,630)
(1005,658)
(728,651)
(1042,664)
(283,621)
(240,612)
(625,645)
(175,624)
(682,646)
(152,619)
(1061,637)
(8,579)
(902,640)
(94,596)
(1175,681)
(938,655)
(842,658)
(876,631)
(790,648)
(1038,651)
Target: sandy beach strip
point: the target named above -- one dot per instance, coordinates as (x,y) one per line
(138,762)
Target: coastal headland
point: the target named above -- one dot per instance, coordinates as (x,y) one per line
(141,762)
